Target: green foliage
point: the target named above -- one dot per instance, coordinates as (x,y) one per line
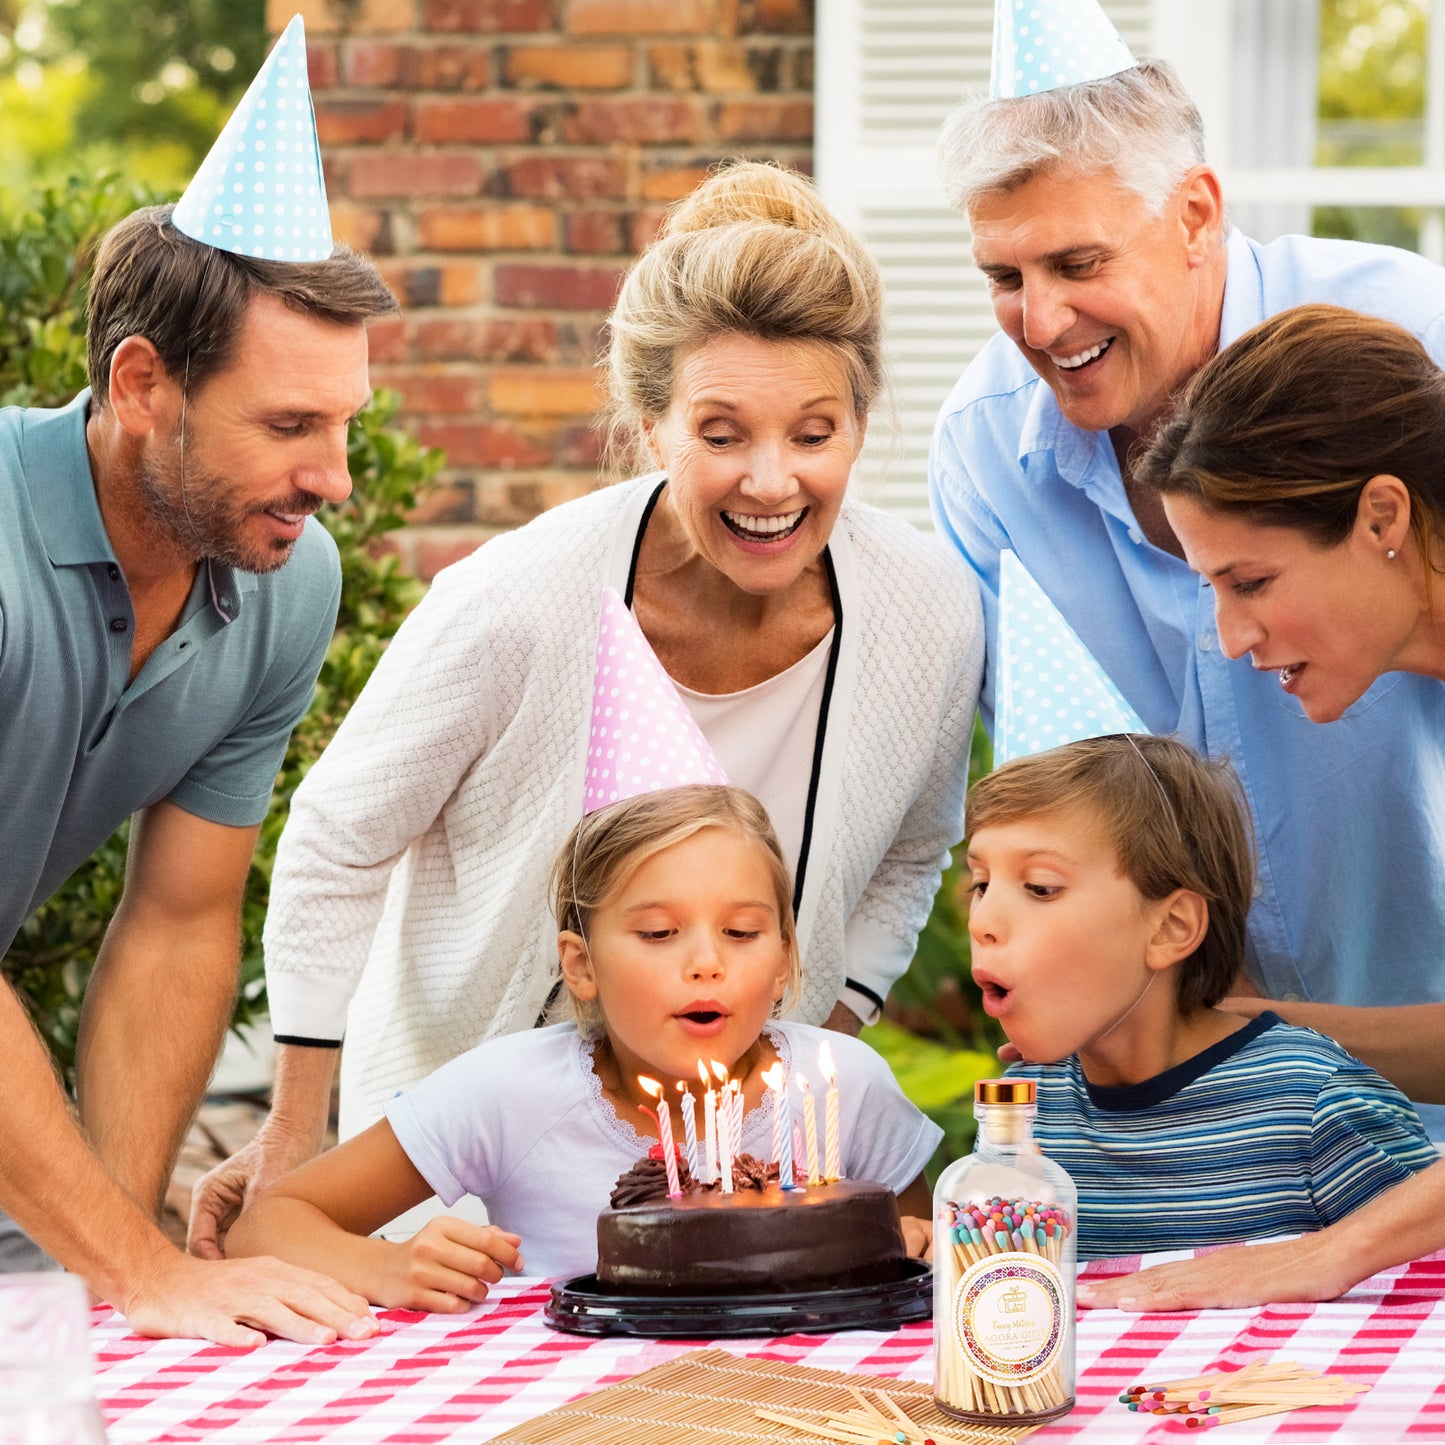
(174,68)
(939,1080)
(147,90)
(1371,107)
(45,249)
(46,246)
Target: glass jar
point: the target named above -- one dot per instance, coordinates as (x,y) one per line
(1003,1270)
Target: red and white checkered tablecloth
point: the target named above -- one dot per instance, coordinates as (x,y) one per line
(433,1378)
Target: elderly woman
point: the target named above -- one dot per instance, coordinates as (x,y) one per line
(831,655)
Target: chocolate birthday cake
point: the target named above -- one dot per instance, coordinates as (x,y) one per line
(758,1239)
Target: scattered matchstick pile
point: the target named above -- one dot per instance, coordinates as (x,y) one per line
(1222,1398)
(869,1425)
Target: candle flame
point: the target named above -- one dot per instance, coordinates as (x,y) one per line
(825,1063)
(650,1085)
(684,1090)
(720,1070)
(775,1078)
(702,1074)
(802,1082)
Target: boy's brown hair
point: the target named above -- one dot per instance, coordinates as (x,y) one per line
(608,846)
(1175,820)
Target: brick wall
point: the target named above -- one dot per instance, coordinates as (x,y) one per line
(503,160)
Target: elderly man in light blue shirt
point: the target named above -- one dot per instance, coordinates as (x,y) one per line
(1114,276)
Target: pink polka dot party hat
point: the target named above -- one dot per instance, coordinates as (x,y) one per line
(643,737)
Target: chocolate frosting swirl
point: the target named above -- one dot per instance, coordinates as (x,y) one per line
(646,1181)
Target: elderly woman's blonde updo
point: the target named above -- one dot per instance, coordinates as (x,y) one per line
(752,251)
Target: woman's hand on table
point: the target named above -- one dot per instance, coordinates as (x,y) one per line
(447,1266)
(292,1133)
(221,1194)
(240,1302)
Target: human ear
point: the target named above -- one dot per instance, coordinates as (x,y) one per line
(1202,212)
(649,437)
(1180,922)
(576,963)
(862,421)
(785,969)
(1383,513)
(142,394)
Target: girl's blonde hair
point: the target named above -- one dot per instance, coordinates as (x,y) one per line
(607,847)
(753,252)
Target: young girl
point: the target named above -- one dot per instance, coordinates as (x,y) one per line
(1110,880)
(676,943)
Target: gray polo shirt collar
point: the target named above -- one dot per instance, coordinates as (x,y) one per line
(62,498)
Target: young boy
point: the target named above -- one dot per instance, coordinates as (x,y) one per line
(1111,880)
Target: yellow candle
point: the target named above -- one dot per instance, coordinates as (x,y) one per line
(810,1129)
(832,1163)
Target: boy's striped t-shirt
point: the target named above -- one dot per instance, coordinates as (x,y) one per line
(1273,1130)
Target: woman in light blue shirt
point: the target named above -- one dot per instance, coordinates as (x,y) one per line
(1302,471)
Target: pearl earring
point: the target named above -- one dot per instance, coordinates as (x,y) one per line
(1391,554)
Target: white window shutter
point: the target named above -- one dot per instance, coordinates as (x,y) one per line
(888,72)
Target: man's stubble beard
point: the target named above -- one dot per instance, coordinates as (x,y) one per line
(193,508)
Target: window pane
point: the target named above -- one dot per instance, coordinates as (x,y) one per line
(1387,225)
(1371,87)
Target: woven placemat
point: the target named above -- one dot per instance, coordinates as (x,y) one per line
(710,1395)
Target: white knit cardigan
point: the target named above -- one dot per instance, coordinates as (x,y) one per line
(409,899)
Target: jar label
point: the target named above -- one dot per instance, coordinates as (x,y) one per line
(1009,1317)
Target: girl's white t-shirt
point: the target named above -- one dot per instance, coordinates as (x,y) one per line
(521,1123)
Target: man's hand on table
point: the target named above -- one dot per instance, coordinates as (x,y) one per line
(238,1302)
(1240,1277)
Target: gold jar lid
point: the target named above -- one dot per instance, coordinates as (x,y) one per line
(1004,1091)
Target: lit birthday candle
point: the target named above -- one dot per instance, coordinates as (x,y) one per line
(832,1165)
(776,1079)
(664,1134)
(724,1129)
(689,1128)
(709,1133)
(810,1129)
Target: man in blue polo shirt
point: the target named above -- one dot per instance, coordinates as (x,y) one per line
(165,604)
(1114,276)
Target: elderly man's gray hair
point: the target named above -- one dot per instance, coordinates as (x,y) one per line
(1139,124)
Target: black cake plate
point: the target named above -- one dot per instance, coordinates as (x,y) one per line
(585,1306)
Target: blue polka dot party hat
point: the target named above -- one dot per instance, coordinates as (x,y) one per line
(260,191)
(1041,45)
(1050,689)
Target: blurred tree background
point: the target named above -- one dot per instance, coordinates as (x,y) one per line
(143,88)
(1371,107)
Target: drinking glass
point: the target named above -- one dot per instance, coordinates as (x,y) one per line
(47,1389)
